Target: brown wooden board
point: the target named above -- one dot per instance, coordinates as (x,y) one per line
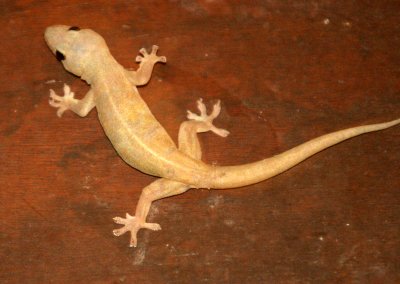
(285,71)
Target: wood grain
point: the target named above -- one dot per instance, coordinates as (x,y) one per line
(285,72)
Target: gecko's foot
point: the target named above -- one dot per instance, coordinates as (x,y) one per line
(62,103)
(208,119)
(132,224)
(152,56)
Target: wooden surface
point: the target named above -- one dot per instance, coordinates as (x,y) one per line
(286,71)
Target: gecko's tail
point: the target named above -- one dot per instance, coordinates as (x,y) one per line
(242,175)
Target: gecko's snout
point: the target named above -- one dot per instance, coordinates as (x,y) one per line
(54,34)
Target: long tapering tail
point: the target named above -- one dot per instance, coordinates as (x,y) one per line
(246,174)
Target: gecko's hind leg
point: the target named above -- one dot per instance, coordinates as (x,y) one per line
(162,188)
(188,140)
(158,189)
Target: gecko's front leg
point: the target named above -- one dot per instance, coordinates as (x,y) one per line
(147,61)
(68,102)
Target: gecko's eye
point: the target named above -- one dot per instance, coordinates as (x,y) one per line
(60,56)
(74,28)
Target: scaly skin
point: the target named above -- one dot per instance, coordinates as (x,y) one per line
(139,138)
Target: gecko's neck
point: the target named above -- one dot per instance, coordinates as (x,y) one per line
(98,68)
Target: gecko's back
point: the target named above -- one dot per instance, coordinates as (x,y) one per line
(133,130)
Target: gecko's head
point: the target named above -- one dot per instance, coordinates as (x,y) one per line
(75,48)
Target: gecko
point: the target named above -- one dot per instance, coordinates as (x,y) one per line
(141,141)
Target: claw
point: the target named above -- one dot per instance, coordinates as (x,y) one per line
(119,220)
(208,119)
(53,96)
(216,110)
(152,226)
(67,89)
(152,57)
(154,49)
(220,132)
(143,51)
(62,103)
(132,224)
(192,116)
(201,107)
(119,232)
(139,58)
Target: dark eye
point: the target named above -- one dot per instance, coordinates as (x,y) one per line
(73,28)
(60,56)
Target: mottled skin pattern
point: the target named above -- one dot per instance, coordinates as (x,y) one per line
(140,139)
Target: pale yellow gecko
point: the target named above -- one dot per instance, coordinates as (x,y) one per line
(139,138)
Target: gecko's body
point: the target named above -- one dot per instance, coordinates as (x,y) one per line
(140,139)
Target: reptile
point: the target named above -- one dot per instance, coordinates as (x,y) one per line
(143,143)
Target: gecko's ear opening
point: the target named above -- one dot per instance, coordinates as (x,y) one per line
(60,56)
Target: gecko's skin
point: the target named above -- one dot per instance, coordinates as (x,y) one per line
(139,138)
